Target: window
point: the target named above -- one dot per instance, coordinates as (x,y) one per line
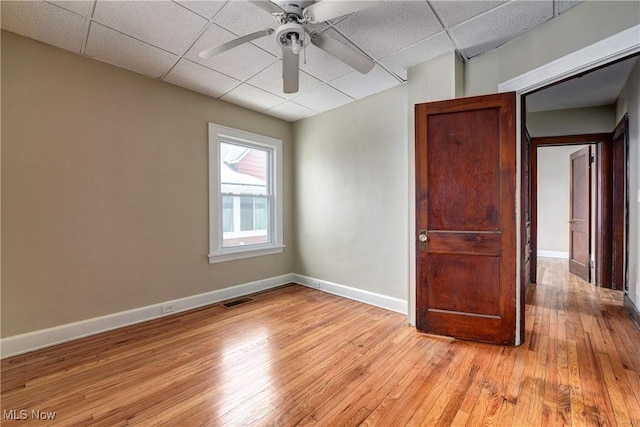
(245,194)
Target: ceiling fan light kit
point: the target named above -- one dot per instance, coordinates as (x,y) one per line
(292,36)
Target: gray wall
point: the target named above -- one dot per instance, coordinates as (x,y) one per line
(351,199)
(571,121)
(104,189)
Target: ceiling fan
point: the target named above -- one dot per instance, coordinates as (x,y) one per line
(292,35)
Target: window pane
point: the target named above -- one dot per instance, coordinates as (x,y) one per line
(246,213)
(261,213)
(244,170)
(245,188)
(227,213)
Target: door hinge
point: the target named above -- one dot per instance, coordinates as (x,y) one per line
(593,158)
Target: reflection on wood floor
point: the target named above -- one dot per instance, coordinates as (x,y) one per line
(298,356)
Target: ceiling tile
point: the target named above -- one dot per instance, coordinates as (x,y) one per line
(290,111)
(242,17)
(500,25)
(44,22)
(115,48)
(164,24)
(424,50)
(81,7)
(390,26)
(270,79)
(252,98)
(240,62)
(564,5)
(208,9)
(200,79)
(322,98)
(455,12)
(358,85)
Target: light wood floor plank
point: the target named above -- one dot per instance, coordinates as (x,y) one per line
(298,356)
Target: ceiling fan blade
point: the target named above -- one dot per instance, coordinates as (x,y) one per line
(328,9)
(351,57)
(208,53)
(290,70)
(267,5)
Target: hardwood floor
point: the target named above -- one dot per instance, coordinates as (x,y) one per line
(298,356)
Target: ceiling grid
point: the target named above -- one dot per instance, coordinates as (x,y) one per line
(161,39)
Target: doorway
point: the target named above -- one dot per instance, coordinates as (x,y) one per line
(610,228)
(566,206)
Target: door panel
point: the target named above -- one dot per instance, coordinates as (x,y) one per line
(450,154)
(580,213)
(465,200)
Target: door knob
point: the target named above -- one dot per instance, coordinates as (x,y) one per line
(423,239)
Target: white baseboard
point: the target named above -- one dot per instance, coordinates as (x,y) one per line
(371,298)
(553,254)
(18,344)
(23,343)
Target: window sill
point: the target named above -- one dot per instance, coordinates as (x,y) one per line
(245,253)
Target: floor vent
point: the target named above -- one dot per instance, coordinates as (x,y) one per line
(236,302)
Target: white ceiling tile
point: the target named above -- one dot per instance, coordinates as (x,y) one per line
(390,26)
(164,24)
(500,25)
(358,85)
(290,111)
(455,12)
(564,5)
(321,65)
(115,48)
(200,79)
(270,79)
(44,22)
(424,50)
(240,62)
(242,17)
(81,7)
(322,98)
(208,9)
(252,98)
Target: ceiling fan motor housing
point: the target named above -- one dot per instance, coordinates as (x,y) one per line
(293,7)
(286,33)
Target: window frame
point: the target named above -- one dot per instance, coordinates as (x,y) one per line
(219,134)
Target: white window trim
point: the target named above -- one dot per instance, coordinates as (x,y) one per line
(217,253)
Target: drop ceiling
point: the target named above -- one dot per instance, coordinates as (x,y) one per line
(162,39)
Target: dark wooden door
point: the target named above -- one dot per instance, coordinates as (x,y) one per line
(580,213)
(465,217)
(620,206)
